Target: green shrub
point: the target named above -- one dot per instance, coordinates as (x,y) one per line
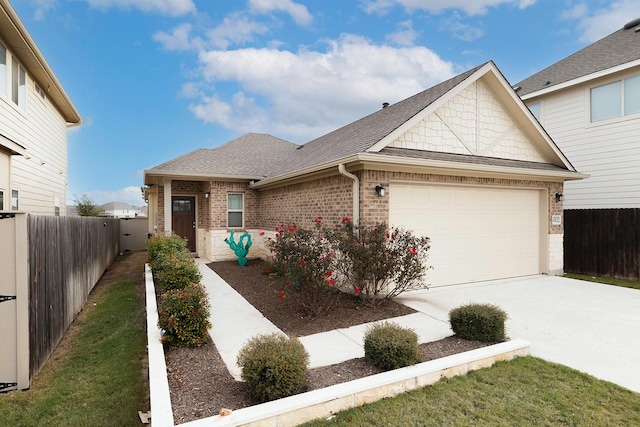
(483,322)
(388,346)
(175,271)
(184,316)
(274,366)
(164,244)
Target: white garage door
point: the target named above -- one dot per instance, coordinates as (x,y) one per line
(476,233)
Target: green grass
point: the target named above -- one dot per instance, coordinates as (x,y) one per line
(98,378)
(524,392)
(634,284)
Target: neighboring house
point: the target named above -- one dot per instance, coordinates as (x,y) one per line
(121,210)
(464,162)
(589,103)
(35,113)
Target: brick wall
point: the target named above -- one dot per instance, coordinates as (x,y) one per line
(329,197)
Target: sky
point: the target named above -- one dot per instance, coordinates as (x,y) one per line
(156,79)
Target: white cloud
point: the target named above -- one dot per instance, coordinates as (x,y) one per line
(163,7)
(598,23)
(301,95)
(236,28)
(470,7)
(459,29)
(42,6)
(405,36)
(298,12)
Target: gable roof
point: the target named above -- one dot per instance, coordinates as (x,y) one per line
(268,160)
(20,43)
(619,50)
(252,156)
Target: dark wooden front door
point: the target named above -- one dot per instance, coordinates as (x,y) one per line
(183,219)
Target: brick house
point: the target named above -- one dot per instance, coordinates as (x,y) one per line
(464,162)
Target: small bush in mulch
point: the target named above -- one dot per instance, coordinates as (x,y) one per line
(274,366)
(164,244)
(482,322)
(389,346)
(175,270)
(184,316)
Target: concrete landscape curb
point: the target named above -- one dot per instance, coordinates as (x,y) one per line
(320,403)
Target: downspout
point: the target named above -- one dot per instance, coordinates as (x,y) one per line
(356,192)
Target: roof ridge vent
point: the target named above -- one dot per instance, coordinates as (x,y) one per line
(632,24)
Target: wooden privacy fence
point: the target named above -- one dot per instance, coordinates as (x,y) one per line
(56,262)
(602,242)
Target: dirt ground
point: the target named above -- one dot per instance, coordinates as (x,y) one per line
(200,383)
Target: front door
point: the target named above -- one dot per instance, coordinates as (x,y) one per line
(183,219)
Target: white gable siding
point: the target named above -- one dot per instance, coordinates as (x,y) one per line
(42,130)
(609,152)
(473,122)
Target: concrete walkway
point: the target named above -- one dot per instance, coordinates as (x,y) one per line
(590,327)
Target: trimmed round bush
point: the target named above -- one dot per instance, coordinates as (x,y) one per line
(164,244)
(175,271)
(389,346)
(482,322)
(274,366)
(183,314)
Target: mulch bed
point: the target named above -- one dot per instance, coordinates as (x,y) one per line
(198,378)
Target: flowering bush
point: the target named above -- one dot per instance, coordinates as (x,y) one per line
(304,258)
(376,263)
(379,262)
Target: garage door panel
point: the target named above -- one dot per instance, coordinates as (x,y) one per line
(476,233)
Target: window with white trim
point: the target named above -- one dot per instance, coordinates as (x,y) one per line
(1,199)
(616,99)
(3,69)
(535,109)
(14,200)
(18,84)
(235,210)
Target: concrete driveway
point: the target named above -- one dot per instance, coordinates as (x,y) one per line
(590,327)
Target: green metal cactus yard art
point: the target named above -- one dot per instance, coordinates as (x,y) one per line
(241,248)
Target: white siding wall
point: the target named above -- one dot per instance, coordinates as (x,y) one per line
(608,151)
(42,130)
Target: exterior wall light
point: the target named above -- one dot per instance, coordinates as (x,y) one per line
(380,190)
(207,194)
(559,197)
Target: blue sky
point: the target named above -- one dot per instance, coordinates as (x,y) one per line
(155,79)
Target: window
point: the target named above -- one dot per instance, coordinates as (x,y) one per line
(3,69)
(14,200)
(535,109)
(235,210)
(616,99)
(18,84)
(1,200)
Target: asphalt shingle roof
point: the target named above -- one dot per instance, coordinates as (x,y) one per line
(618,48)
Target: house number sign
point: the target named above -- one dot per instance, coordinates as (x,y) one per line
(556,219)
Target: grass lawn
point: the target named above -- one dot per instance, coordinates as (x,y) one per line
(96,376)
(634,284)
(524,392)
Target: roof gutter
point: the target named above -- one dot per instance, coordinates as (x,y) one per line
(355,192)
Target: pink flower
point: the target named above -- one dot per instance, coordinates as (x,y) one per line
(346,219)
(281,296)
(317,219)
(277,235)
(292,229)
(328,274)
(330,255)
(262,233)
(302,261)
(330,282)
(387,235)
(277,228)
(358,291)
(267,270)
(413,251)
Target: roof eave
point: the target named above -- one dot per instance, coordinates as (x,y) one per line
(22,45)
(581,80)
(156,176)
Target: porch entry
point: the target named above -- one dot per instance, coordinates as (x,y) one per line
(183,219)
